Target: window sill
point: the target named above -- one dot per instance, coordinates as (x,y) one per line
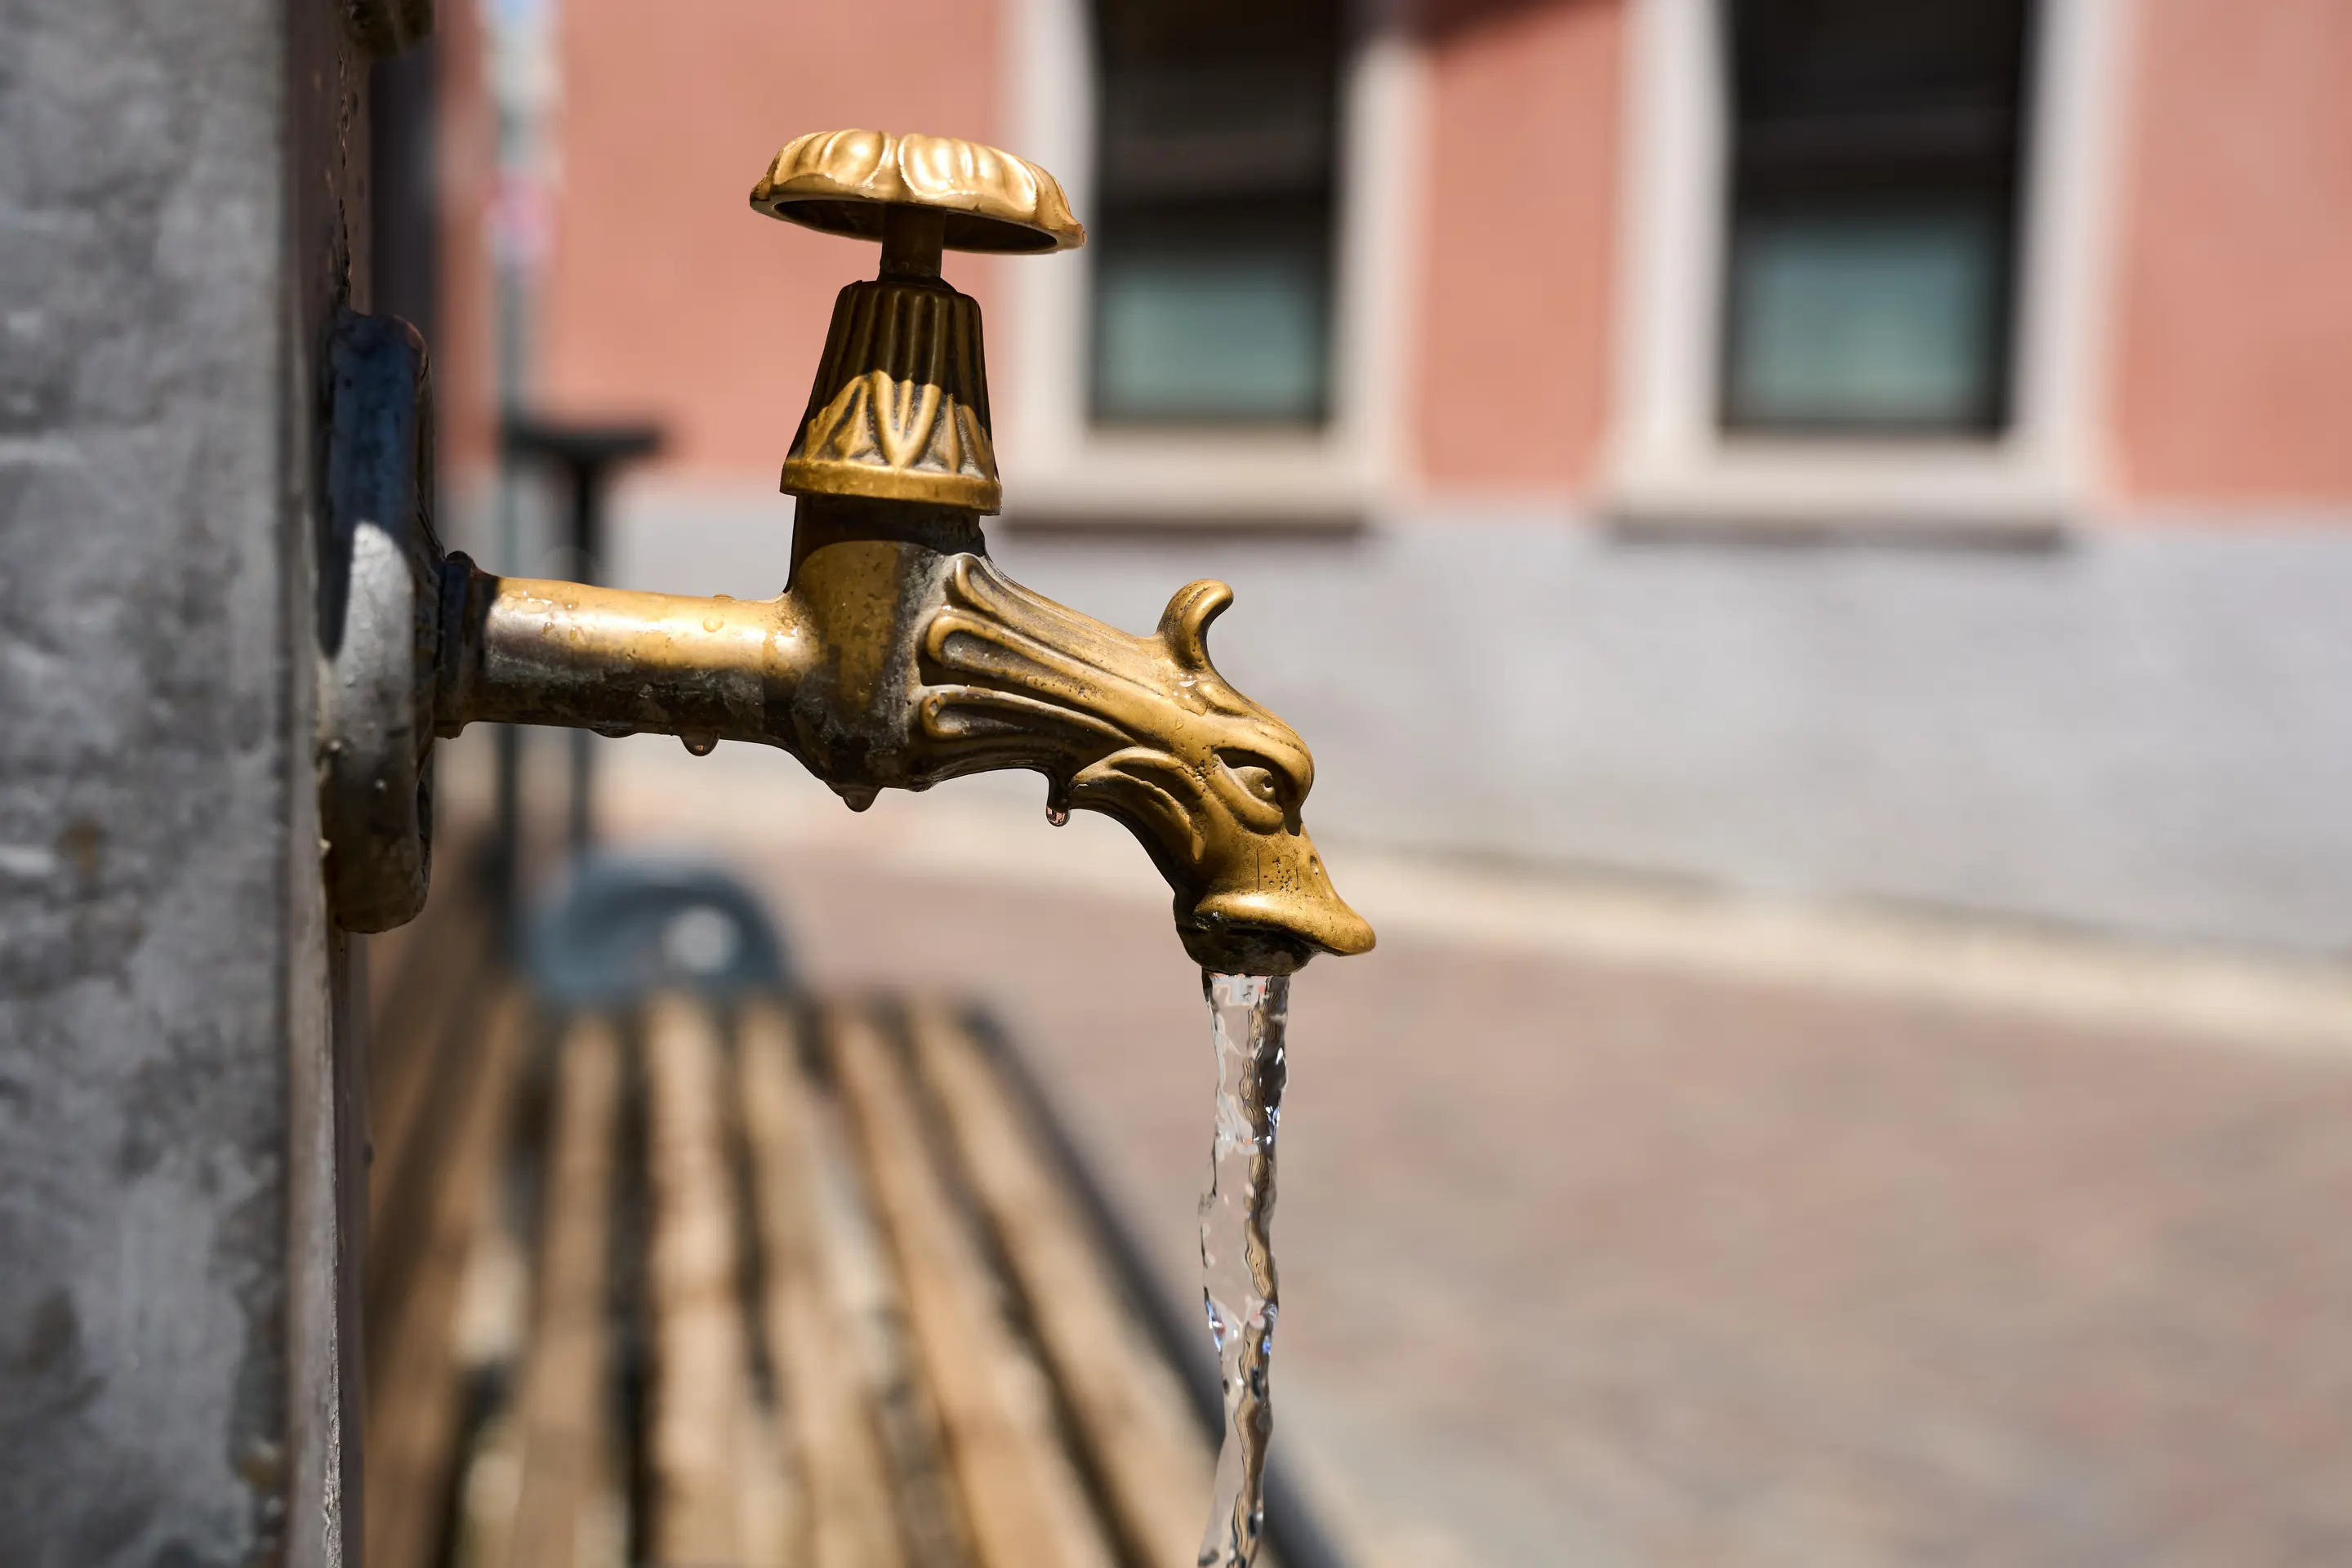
(1831,490)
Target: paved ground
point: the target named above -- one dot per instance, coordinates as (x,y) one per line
(1595,1263)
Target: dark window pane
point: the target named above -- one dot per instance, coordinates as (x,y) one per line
(1877,146)
(1212,232)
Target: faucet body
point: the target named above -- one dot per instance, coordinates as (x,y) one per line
(899,654)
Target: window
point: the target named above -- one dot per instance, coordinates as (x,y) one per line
(1876,151)
(1213,229)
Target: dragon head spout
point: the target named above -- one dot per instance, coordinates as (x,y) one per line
(1143,729)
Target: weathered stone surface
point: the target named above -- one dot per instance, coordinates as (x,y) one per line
(171,226)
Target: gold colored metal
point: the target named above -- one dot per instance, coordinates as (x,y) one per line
(898,655)
(1145,731)
(900,408)
(837,181)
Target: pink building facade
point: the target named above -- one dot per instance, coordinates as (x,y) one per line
(1497,165)
(1665,362)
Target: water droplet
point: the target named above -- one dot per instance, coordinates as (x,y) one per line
(701,743)
(712,623)
(857,797)
(615,732)
(1059,815)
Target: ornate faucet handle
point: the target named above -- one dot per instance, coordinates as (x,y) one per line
(846,181)
(900,410)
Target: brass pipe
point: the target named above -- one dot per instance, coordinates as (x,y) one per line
(619,661)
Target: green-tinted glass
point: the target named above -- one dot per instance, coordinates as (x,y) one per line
(1889,319)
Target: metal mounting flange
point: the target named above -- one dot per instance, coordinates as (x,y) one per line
(380,583)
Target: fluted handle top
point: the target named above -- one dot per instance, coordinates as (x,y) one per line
(843,182)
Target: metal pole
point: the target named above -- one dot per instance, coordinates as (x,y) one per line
(587,541)
(520,82)
(505,855)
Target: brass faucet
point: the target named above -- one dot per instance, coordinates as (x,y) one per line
(899,654)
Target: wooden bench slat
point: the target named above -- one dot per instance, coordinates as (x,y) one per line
(411,1033)
(836,1448)
(867,1291)
(421,1064)
(1154,1463)
(414,1389)
(567,1489)
(696,1427)
(1024,1500)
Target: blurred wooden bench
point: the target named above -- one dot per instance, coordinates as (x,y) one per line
(792,1282)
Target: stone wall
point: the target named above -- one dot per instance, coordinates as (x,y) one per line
(177,199)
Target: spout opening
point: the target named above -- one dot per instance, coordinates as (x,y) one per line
(1237,942)
(1226,948)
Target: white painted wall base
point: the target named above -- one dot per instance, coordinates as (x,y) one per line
(2146,731)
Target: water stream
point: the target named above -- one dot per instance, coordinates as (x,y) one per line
(1247,1014)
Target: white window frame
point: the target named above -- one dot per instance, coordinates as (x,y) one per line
(1669,461)
(1058,464)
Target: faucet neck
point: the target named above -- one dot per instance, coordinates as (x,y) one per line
(820,521)
(913,241)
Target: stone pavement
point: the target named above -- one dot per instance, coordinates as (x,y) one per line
(1591,1261)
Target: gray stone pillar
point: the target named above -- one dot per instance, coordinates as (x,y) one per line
(181,199)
